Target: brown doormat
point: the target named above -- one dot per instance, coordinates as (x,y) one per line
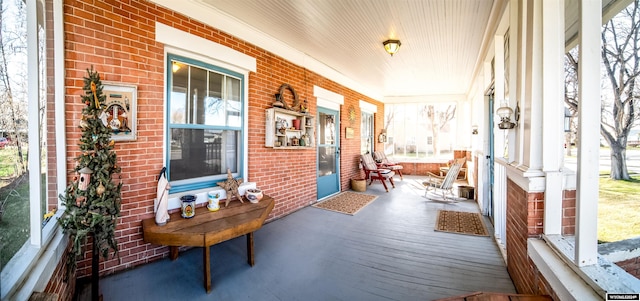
(347,202)
(460,222)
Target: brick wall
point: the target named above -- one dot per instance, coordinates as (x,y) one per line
(525,217)
(517,235)
(117,39)
(569,212)
(632,266)
(421,168)
(525,212)
(535,213)
(462,154)
(624,253)
(57,284)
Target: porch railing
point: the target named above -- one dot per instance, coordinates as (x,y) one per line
(500,204)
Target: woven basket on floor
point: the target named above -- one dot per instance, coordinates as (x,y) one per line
(359,185)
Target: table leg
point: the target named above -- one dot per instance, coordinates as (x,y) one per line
(173,253)
(250,249)
(207,269)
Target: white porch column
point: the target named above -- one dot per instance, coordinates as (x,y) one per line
(535,93)
(553,111)
(531,104)
(588,129)
(500,141)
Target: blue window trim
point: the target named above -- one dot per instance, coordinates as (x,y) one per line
(196,185)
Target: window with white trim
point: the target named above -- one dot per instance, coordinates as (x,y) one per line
(31,36)
(205,123)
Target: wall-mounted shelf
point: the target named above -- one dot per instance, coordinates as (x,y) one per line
(280,132)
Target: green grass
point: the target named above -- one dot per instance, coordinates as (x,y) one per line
(14,226)
(7,161)
(618,209)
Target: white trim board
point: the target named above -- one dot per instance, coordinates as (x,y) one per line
(197,45)
(328,99)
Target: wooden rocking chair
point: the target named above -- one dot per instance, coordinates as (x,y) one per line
(444,184)
(372,172)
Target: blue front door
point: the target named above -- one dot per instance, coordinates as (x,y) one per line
(328,152)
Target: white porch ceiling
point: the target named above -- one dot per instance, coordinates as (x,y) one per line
(442,40)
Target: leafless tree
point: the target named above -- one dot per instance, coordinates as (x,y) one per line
(12,89)
(389,113)
(571,94)
(389,117)
(621,61)
(439,119)
(619,101)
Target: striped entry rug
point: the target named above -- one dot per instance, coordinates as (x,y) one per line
(347,202)
(460,222)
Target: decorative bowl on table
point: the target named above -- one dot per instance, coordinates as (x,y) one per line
(254,195)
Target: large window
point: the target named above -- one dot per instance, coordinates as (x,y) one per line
(205,123)
(418,131)
(30,150)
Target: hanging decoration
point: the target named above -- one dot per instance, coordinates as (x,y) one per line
(281,103)
(85,178)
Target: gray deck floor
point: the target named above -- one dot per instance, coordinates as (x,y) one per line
(387,251)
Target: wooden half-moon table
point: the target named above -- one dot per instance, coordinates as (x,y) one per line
(207,228)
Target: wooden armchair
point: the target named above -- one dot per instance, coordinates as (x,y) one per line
(383,162)
(444,184)
(372,172)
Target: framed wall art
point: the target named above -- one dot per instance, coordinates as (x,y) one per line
(348,133)
(121,102)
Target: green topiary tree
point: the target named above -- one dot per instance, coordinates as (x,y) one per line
(92,199)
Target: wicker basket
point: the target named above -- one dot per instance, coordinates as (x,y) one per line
(359,185)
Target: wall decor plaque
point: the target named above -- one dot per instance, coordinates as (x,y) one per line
(121,103)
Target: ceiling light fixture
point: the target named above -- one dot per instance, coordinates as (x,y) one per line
(175,67)
(391,46)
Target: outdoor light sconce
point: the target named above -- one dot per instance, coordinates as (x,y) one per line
(391,46)
(505,116)
(382,138)
(567,120)
(474,130)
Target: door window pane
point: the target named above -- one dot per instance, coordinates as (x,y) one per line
(327,160)
(327,129)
